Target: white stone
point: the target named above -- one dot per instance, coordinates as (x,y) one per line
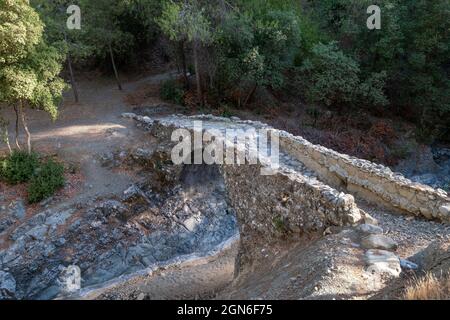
(191,224)
(128,115)
(381,261)
(370,229)
(379,241)
(445,210)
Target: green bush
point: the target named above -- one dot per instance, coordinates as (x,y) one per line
(172,90)
(47,179)
(333,78)
(19,167)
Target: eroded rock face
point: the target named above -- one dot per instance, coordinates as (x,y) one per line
(177,211)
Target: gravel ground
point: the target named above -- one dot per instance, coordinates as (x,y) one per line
(412,234)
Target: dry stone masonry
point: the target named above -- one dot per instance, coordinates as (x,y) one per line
(311,190)
(371,181)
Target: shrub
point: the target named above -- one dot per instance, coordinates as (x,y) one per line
(254,49)
(19,167)
(333,78)
(47,179)
(172,91)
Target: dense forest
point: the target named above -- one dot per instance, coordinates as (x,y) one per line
(321,52)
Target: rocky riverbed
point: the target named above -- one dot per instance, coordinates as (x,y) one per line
(152,221)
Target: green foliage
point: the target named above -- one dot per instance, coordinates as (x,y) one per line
(412,48)
(29,67)
(184,21)
(227,112)
(172,90)
(44,178)
(256,49)
(20,30)
(102,28)
(46,181)
(19,167)
(332,78)
(279,224)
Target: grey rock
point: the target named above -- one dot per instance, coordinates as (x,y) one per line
(128,115)
(7,286)
(140,153)
(369,229)
(5,223)
(38,233)
(59,218)
(378,241)
(191,224)
(17,209)
(405,264)
(445,210)
(111,208)
(382,262)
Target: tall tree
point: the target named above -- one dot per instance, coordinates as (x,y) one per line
(103,31)
(187,22)
(29,67)
(54,15)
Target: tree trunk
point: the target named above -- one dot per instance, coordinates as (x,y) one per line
(25,127)
(116,74)
(17,128)
(183,64)
(72,78)
(197,75)
(7,141)
(250,95)
(5,133)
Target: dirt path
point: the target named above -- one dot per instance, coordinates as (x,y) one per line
(86,130)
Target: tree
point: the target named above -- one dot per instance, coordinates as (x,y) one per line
(333,78)
(187,22)
(254,49)
(29,67)
(53,14)
(412,48)
(102,31)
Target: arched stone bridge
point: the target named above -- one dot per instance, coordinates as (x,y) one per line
(313,188)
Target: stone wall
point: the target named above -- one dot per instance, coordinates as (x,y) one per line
(282,206)
(309,191)
(287,204)
(374,182)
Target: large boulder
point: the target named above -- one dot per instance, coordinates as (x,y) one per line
(435,258)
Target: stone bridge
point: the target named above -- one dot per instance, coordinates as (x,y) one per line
(312,189)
